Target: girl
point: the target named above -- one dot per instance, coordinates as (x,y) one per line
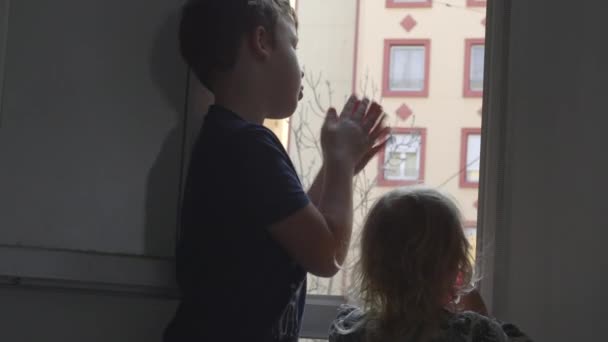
(413,269)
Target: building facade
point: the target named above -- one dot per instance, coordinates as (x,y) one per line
(423,61)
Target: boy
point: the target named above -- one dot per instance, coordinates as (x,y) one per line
(249,232)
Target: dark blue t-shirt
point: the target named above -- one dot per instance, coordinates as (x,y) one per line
(236,282)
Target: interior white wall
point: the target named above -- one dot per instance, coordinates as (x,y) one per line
(551,267)
(51,315)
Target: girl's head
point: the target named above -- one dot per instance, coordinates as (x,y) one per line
(414,259)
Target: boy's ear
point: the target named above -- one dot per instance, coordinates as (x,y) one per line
(260,42)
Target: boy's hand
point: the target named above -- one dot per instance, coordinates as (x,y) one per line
(344,138)
(357,135)
(378,134)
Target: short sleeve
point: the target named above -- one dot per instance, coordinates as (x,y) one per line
(269,189)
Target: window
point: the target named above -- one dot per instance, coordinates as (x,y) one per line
(473,69)
(406,68)
(402,161)
(280,128)
(373,56)
(470,150)
(476,3)
(408,3)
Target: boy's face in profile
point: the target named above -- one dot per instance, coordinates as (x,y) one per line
(284,72)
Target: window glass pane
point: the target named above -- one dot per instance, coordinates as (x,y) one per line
(407,68)
(341,49)
(473,152)
(477,61)
(402,157)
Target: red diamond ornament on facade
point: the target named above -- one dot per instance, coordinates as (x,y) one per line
(409,23)
(483,22)
(476,204)
(404,112)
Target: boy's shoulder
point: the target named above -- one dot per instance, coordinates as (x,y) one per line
(227,125)
(230,140)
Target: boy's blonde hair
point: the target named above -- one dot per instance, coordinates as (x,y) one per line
(211,31)
(413,250)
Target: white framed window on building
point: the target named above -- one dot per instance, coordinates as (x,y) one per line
(406,68)
(469,157)
(473,68)
(402,162)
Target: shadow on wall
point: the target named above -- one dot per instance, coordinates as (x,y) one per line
(169,169)
(162,188)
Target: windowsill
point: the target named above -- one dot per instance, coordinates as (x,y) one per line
(420,4)
(404,93)
(476,3)
(469,185)
(472,93)
(394,183)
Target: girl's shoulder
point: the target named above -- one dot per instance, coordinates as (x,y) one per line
(349,326)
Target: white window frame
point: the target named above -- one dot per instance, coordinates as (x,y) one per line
(4,14)
(492,183)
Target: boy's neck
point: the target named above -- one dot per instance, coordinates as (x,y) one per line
(243,102)
(243,109)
